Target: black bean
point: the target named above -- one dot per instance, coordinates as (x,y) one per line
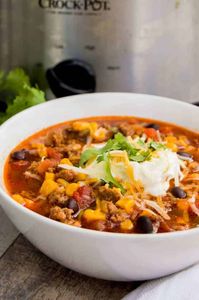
(178,192)
(20,155)
(152,125)
(72,204)
(144,225)
(184,154)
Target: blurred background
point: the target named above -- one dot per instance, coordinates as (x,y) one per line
(76,46)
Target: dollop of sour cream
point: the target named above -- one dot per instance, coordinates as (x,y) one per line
(155,175)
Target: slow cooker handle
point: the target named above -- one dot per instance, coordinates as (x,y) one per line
(71,77)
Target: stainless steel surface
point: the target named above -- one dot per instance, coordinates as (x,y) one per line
(134,45)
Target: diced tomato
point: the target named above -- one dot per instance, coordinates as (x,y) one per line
(151,133)
(52,153)
(83,196)
(45,165)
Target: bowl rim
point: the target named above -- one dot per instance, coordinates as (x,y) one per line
(85,231)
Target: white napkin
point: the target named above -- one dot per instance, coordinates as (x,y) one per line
(180,286)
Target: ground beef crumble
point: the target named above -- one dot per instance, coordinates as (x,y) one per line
(58,198)
(108,194)
(67,175)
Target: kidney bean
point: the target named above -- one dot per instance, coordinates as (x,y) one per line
(20,155)
(72,204)
(178,192)
(153,125)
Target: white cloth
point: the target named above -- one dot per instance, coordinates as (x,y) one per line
(180,286)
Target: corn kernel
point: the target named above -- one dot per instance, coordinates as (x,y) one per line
(181,221)
(183,205)
(126,225)
(62,182)
(173,147)
(100,134)
(171,139)
(91,180)
(77,224)
(42,151)
(186,216)
(183,141)
(81,176)
(171,142)
(146,213)
(30,204)
(121,203)
(49,176)
(66,161)
(94,215)
(104,206)
(126,203)
(129,206)
(98,204)
(190,148)
(79,126)
(71,188)
(93,127)
(18,198)
(48,187)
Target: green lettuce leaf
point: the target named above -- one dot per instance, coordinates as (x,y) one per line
(109,177)
(88,154)
(15,81)
(141,156)
(16,93)
(156,145)
(27,98)
(119,142)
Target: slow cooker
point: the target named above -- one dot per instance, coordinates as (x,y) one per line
(137,46)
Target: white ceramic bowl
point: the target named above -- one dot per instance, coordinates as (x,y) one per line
(111,256)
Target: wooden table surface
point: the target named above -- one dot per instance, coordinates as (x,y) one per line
(26,273)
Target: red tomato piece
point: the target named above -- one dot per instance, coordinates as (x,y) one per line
(83,196)
(45,165)
(52,153)
(151,133)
